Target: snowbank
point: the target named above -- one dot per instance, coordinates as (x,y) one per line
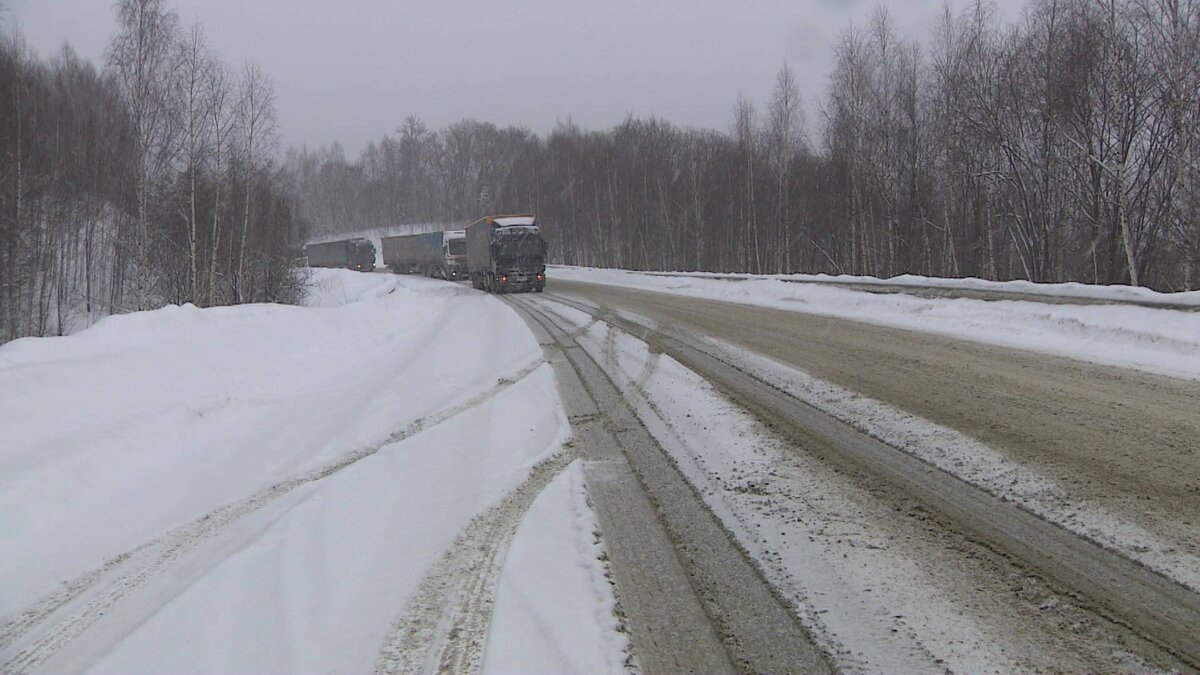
(1115,293)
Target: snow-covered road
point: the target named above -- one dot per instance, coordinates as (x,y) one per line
(882,582)
(400,476)
(1051,435)
(264,488)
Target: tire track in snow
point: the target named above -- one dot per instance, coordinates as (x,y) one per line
(708,609)
(125,573)
(444,624)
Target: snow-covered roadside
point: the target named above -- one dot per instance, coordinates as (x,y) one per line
(149,420)
(261,488)
(881,595)
(1161,341)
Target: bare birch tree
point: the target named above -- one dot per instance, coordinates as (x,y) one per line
(258,143)
(140,58)
(785,132)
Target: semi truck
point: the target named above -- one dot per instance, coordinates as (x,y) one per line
(455,246)
(356,254)
(506,254)
(434,254)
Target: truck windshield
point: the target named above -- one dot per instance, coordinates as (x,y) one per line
(457,247)
(526,245)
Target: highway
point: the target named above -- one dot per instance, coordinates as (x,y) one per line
(1112,439)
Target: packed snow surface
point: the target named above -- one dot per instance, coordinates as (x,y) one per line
(1162,341)
(539,624)
(261,488)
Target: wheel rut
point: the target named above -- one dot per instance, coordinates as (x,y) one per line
(444,625)
(693,600)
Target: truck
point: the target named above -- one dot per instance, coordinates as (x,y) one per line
(455,245)
(506,254)
(434,254)
(355,254)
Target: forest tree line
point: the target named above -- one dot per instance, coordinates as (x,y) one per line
(152,180)
(1063,147)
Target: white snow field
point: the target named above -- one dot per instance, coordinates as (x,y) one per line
(262,488)
(1161,341)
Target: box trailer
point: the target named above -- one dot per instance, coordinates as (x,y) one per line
(356,254)
(413,253)
(434,254)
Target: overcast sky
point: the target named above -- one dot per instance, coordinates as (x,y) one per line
(350,70)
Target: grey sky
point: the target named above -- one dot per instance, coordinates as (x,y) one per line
(350,70)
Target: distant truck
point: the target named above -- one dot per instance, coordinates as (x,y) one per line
(506,254)
(455,248)
(356,254)
(434,254)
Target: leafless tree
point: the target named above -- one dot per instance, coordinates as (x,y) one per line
(258,143)
(140,57)
(785,133)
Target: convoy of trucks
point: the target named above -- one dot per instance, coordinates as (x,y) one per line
(356,254)
(434,254)
(500,254)
(506,254)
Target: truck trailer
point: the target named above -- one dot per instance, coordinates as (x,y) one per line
(413,253)
(434,254)
(355,254)
(506,254)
